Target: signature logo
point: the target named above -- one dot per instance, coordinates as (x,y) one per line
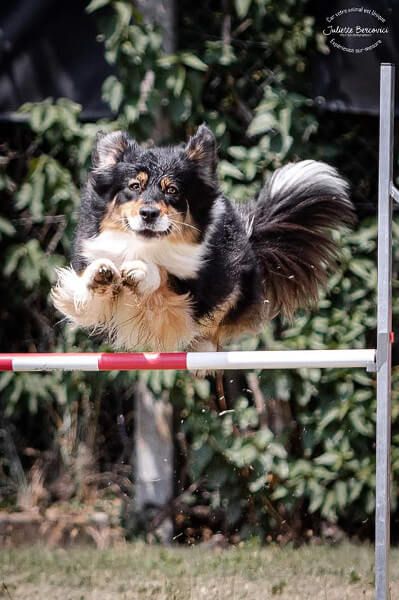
(355,30)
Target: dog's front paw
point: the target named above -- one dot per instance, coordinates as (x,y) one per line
(140,277)
(102,276)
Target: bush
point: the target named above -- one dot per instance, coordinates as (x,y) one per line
(294,448)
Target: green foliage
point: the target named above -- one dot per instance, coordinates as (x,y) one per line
(308,454)
(322,463)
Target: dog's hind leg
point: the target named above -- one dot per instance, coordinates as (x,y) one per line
(202,345)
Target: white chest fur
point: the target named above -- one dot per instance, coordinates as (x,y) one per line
(180,259)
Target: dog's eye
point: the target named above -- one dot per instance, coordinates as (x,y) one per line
(172,190)
(134,186)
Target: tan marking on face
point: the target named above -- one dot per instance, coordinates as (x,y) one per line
(167,182)
(130,209)
(184,228)
(142,178)
(116,215)
(165,210)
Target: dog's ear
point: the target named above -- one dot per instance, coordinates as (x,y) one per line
(109,148)
(201,148)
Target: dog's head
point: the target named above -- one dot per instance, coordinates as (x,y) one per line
(156,192)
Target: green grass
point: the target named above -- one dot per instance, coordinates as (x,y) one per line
(136,571)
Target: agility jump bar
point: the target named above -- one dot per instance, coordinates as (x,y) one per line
(268,359)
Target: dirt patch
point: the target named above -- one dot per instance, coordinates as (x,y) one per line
(58,528)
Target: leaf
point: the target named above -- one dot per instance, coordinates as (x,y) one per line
(258,484)
(113,92)
(242,7)
(96,5)
(124,11)
(243,456)
(202,388)
(12,259)
(169,379)
(358,421)
(280,492)
(328,509)
(226,169)
(192,61)
(180,80)
(277,450)
(330,416)
(327,459)
(356,488)
(168,61)
(238,152)
(6,227)
(180,108)
(261,123)
(341,492)
(316,502)
(5,379)
(262,438)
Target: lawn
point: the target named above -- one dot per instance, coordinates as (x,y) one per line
(136,571)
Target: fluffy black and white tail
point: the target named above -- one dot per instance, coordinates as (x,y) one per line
(291,232)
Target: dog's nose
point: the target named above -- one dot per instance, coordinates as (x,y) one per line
(149,213)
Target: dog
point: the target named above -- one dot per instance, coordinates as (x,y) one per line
(163,261)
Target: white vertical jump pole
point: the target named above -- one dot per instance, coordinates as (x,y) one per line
(386,191)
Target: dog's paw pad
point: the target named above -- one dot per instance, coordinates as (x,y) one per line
(104,276)
(101,276)
(131,277)
(140,277)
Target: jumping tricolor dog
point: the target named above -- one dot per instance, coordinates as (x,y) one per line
(163,261)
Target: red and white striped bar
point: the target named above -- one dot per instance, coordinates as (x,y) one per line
(269,359)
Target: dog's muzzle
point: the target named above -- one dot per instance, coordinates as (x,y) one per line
(149,214)
(149,222)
